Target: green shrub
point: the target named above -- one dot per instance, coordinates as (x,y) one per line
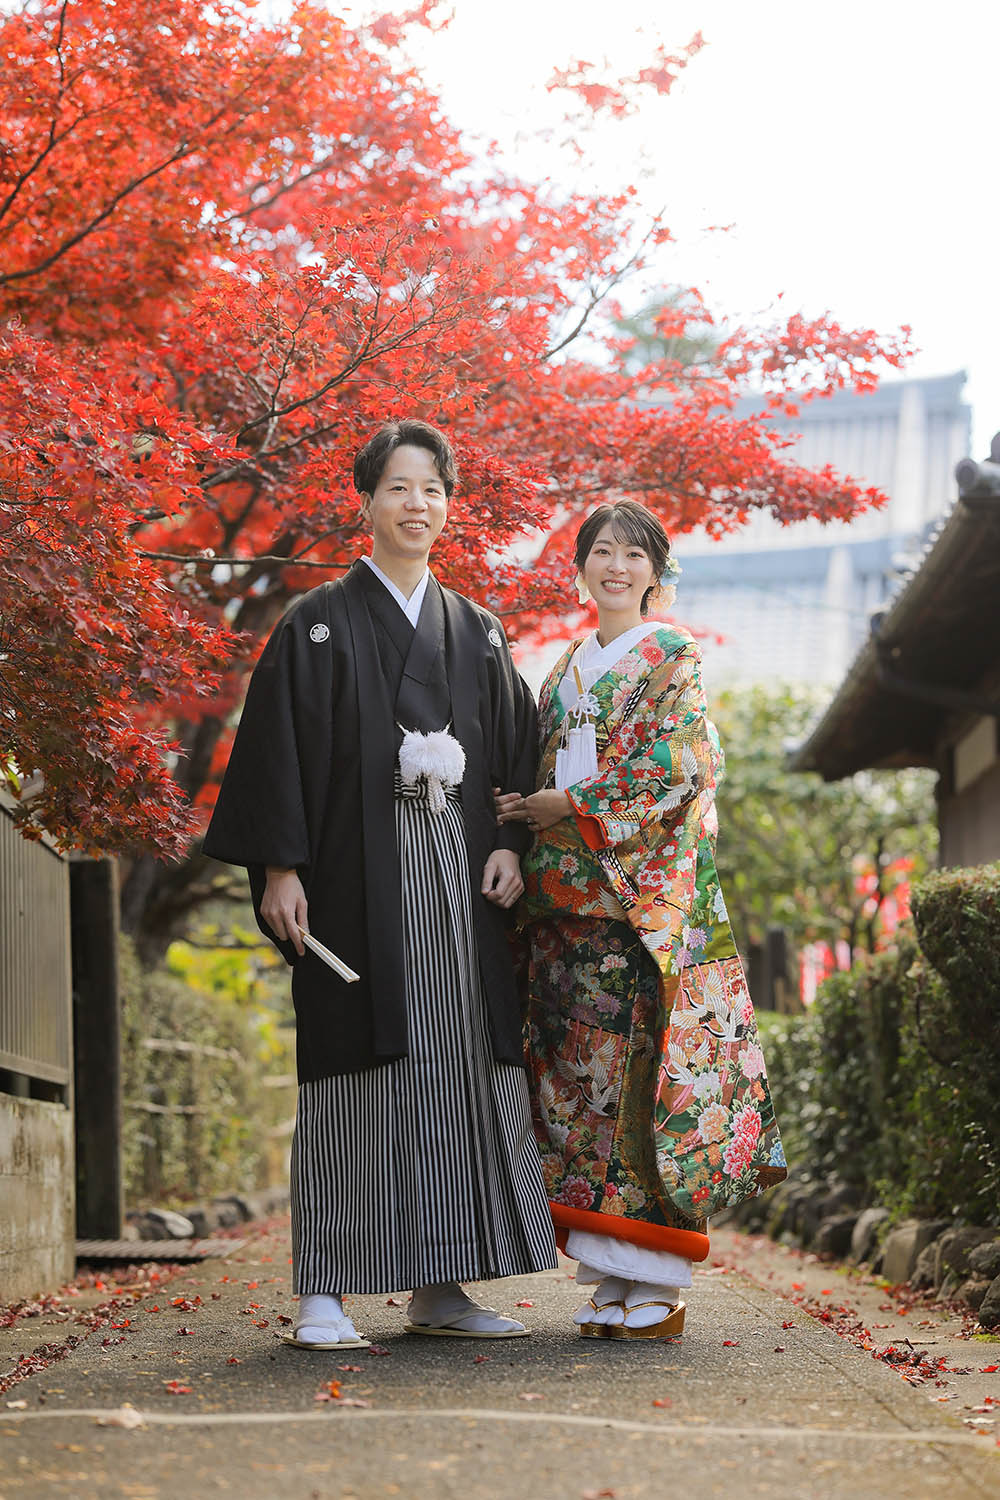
(956,914)
(891,1083)
(832,1071)
(791,1050)
(199,1117)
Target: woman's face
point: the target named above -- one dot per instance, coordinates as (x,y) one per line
(618,575)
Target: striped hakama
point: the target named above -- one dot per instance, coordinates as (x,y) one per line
(425,1169)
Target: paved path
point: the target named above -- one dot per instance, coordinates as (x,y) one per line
(741,1406)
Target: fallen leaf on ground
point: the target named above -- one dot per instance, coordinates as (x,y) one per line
(531,1396)
(378,1349)
(798,1286)
(394,1302)
(989,1369)
(232,1360)
(730,1343)
(185,1330)
(788,1324)
(125,1416)
(354,1369)
(283,1319)
(663,1401)
(480,1359)
(177,1388)
(353,1401)
(779,1348)
(330,1392)
(524,1304)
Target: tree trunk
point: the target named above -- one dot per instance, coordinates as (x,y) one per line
(158,897)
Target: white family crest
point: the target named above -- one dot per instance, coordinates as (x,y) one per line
(495,638)
(319,633)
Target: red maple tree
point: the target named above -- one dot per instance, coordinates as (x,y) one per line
(230,248)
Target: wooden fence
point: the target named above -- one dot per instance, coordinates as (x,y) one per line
(37,1229)
(36,1035)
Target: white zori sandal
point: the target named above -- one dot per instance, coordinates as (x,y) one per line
(446,1311)
(323,1324)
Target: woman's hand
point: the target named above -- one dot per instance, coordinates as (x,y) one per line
(283,906)
(540,811)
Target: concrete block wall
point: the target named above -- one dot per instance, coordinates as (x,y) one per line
(37,1230)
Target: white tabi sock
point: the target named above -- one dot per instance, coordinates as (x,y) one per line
(664,1298)
(322,1320)
(607,1298)
(448,1306)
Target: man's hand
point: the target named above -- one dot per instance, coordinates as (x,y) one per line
(540,811)
(502,883)
(284,906)
(509,807)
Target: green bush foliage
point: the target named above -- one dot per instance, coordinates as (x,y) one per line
(202,1048)
(890,1084)
(792,847)
(956,914)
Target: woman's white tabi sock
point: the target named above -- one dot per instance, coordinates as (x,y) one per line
(322,1320)
(664,1297)
(606,1305)
(448,1306)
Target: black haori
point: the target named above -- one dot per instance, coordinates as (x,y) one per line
(423,1170)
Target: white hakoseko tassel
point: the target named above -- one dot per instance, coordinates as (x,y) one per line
(576,759)
(437,756)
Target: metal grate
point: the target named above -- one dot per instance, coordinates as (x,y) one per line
(91,1250)
(35,976)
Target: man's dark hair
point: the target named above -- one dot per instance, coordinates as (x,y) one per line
(633,524)
(371,460)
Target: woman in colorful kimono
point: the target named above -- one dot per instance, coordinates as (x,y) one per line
(650,1100)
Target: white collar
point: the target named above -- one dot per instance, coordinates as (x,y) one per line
(411,606)
(591,653)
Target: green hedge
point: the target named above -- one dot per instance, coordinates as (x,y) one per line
(891,1083)
(199,1117)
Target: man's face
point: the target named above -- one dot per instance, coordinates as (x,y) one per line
(409,507)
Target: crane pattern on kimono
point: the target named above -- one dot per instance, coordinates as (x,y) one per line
(598,1071)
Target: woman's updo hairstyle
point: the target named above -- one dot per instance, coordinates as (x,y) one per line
(632,524)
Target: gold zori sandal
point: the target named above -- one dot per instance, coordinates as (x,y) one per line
(598,1330)
(666,1328)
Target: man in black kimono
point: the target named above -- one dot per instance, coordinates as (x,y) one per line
(381,714)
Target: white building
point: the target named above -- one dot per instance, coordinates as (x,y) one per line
(792,603)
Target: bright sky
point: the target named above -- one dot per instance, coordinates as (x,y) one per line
(851,146)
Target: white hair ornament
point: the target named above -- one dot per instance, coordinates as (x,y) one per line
(668,582)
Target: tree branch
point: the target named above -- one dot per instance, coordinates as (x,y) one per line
(182,151)
(243,562)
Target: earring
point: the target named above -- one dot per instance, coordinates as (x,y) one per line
(582,591)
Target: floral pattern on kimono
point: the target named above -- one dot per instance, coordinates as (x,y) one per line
(592,1059)
(641,848)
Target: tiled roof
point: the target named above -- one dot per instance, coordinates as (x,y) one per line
(931,649)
